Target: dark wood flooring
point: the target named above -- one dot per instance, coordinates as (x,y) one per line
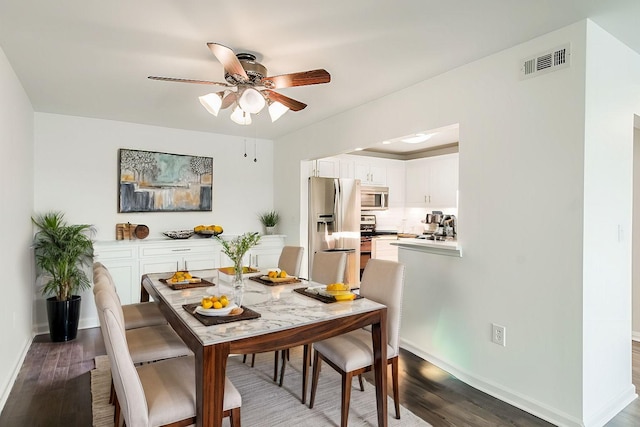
(53,389)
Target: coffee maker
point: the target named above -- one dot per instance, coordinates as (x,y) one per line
(439,226)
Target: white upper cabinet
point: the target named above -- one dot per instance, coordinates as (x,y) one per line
(432,182)
(370,173)
(326,168)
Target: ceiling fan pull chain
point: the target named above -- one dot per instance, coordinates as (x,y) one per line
(245,147)
(255,152)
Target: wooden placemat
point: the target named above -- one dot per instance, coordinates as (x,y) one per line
(270,283)
(247,314)
(177,286)
(322,298)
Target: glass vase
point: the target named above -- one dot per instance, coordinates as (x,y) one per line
(238,283)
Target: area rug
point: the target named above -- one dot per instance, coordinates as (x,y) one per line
(266,404)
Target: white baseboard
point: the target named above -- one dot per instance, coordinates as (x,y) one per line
(612,408)
(511,397)
(14,374)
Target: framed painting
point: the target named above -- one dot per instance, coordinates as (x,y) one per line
(163,182)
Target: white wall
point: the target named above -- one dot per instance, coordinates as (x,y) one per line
(76,171)
(612,99)
(635,293)
(16,194)
(521,203)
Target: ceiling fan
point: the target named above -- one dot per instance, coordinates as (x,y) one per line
(248,87)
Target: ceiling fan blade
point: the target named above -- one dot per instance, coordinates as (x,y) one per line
(228,59)
(200,82)
(285,100)
(228,100)
(302,78)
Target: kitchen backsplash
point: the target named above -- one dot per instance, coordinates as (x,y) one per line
(404,220)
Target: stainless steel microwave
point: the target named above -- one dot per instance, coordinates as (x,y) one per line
(374,198)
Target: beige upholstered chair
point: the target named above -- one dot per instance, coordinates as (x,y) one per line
(352,353)
(328,267)
(291,260)
(149,343)
(135,315)
(155,394)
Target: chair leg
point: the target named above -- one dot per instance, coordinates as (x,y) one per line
(116,413)
(112,394)
(314,377)
(347,379)
(276,355)
(306,362)
(253,360)
(361,382)
(234,417)
(284,364)
(394,378)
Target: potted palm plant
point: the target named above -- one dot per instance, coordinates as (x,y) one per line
(269,219)
(61,253)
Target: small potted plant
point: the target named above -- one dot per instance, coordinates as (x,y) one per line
(61,253)
(269,219)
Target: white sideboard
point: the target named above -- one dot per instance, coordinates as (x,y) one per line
(128,260)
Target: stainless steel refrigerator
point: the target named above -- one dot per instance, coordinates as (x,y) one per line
(334,221)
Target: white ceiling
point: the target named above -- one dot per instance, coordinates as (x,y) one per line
(92,59)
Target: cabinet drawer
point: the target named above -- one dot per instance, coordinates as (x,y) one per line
(173,250)
(104,254)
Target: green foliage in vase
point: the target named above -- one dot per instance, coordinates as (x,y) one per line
(61,252)
(237,247)
(269,219)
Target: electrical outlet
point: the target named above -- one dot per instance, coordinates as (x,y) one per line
(499,334)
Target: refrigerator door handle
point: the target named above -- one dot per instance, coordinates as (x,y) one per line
(337,203)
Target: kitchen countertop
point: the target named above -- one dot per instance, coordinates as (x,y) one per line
(446,247)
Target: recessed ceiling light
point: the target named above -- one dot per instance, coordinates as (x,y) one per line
(386,142)
(358,149)
(417,138)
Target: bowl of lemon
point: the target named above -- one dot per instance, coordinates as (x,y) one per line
(208,230)
(217,306)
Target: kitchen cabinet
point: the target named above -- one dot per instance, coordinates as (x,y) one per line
(381,248)
(396,183)
(121,259)
(265,254)
(432,182)
(326,168)
(197,254)
(370,173)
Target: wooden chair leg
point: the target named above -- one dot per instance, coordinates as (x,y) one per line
(116,413)
(112,393)
(276,360)
(306,362)
(361,382)
(244,358)
(284,364)
(394,378)
(234,417)
(347,379)
(314,378)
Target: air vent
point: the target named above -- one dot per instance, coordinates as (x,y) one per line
(545,62)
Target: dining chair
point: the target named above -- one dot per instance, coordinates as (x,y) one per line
(352,353)
(327,267)
(290,261)
(155,394)
(136,315)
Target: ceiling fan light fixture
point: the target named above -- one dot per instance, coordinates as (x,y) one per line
(240,116)
(417,138)
(276,110)
(211,102)
(251,101)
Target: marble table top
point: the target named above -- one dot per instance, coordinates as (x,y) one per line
(279,306)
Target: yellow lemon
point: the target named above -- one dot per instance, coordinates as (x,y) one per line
(217,229)
(217,305)
(206,303)
(283,273)
(224,301)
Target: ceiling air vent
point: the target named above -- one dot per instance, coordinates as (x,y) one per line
(545,62)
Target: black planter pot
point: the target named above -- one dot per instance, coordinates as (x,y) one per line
(63,318)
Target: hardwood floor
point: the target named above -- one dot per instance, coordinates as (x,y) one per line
(53,389)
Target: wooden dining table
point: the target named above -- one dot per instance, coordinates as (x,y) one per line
(287,319)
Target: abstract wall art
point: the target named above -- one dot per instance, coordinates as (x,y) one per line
(163,182)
